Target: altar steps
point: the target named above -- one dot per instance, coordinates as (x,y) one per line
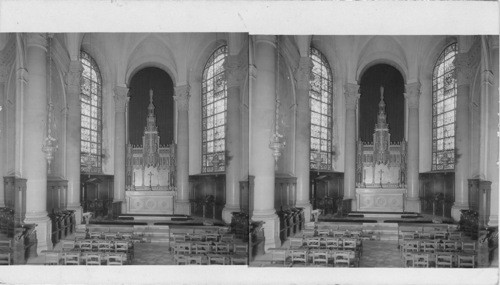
(384,215)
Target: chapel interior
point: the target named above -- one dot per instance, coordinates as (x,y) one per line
(123,148)
(258,150)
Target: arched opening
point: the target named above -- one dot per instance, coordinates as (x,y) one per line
(146,79)
(372,79)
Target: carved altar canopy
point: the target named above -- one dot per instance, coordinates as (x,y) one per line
(381,168)
(150,167)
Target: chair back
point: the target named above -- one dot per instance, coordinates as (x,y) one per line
(466,261)
(68,245)
(341,258)
(444,260)
(221,248)
(194,260)
(5,258)
(52,258)
(299,255)
(217,259)
(278,255)
(71,258)
(227,238)
(333,243)
(320,256)
(420,260)
(313,242)
(114,259)
(241,248)
(92,259)
(296,242)
(349,243)
(239,260)
(104,246)
(468,246)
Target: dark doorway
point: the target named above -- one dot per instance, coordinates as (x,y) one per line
(393,82)
(163,90)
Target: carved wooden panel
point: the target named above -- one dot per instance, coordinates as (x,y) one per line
(380,200)
(150,202)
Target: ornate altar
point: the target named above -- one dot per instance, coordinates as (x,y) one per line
(381,169)
(150,167)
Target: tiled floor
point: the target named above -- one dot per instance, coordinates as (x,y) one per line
(380,253)
(152,254)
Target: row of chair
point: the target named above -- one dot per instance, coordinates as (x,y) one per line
(338,258)
(87,258)
(106,236)
(432,246)
(409,235)
(203,237)
(327,243)
(412,259)
(209,248)
(326,232)
(89,245)
(210,259)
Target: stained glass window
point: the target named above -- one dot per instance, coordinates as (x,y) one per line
(321,104)
(444,101)
(213,109)
(91,115)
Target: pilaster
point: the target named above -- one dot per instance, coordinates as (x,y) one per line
(181,98)
(351,93)
(121,98)
(412,96)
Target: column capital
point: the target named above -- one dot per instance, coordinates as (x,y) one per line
(182,97)
(235,71)
(465,64)
(37,40)
(73,77)
(121,98)
(268,39)
(412,94)
(252,71)
(351,93)
(22,75)
(303,73)
(487,77)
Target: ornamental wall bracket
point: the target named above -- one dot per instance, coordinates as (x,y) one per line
(351,93)
(303,73)
(412,94)
(235,71)
(73,77)
(121,98)
(182,96)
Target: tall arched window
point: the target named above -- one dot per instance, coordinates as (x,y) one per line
(444,93)
(321,104)
(213,109)
(91,116)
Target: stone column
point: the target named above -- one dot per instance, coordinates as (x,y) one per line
(121,98)
(464,68)
(262,162)
(235,74)
(412,97)
(182,174)
(351,93)
(34,132)
(303,136)
(73,138)
(3,131)
(493,127)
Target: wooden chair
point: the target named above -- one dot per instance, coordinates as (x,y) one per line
(457,236)
(319,257)
(338,234)
(341,259)
(5,258)
(349,244)
(202,248)
(449,246)
(333,243)
(180,259)
(114,259)
(469,246)
(444,260)
(5,245)
(296,242)
(95,235)
(428,246)
(221,248)
(85,245)
(183,248)
(313,242)
(239,260)
(52,258)
(80,235)
(408,259)
(215,259)
(308,233)
(411,246)
(194,260)
(212,237)
(71,258)
(110,236)
(323,232)
(424,235)
(279,255)
(68,245)
(298,255)
(440,235)
(355,234)
(420,260)
(241,248)
(227,238)
(466,261)
(407,235)
(92,259)
(195,237)
(104,246)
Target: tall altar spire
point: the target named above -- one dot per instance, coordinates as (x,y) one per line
(151,120)
(151,139)
(381,136)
